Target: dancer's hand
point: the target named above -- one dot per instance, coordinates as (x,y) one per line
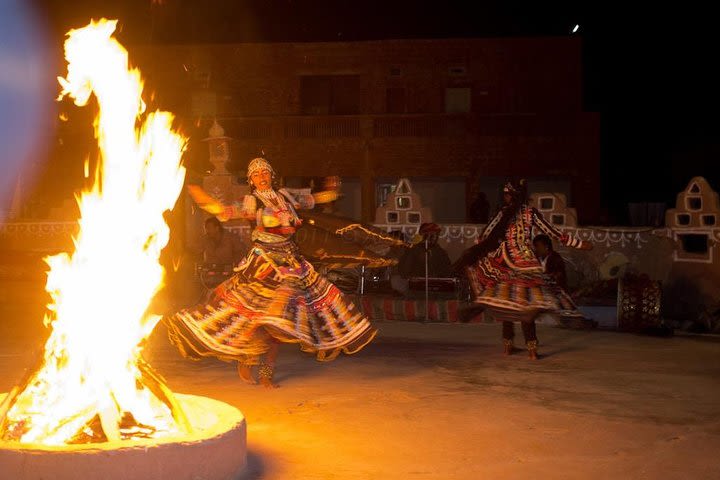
(326,196)
(225,215)
(205,201)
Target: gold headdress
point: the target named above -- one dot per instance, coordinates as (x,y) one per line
(259,164)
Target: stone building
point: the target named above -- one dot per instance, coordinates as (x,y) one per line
(454,116)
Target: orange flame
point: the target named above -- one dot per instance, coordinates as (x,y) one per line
(101,292)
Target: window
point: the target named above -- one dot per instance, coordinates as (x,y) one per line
(345,95)
(395,100)
(694,188)
(315,97)
(403,203)
(683,219)
(695,243)
(330,94)
(708,220)
(693,247)
(413,217)
(457,100)
(558,219)
(392,217)
(694,203)
(547,203)
(382,191)
(457,71)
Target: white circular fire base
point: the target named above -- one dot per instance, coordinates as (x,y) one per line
(216,450)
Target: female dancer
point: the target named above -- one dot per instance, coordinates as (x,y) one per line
(506,276)
(275,296)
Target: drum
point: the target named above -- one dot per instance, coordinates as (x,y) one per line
(638,306)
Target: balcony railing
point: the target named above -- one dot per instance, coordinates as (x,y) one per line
(421,126)
(324,127)
(398,126)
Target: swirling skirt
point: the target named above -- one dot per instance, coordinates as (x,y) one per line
(517,295)
(275,295)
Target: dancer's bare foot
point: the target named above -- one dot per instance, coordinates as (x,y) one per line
(268,383)
(532,349)
(266,375)
(245,374)
(508,347)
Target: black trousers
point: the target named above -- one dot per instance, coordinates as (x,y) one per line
(528,329)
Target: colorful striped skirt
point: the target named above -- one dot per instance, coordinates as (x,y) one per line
(517,295)
(275,295)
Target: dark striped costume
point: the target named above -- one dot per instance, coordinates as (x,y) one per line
(275,293)
(510,279)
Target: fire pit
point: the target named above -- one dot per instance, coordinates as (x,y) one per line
(215,450)
(92,407)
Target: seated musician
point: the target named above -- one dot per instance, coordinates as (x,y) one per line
(412,263)
(221,247)
(551,261)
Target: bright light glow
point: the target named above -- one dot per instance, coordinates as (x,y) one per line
(101,292)
(576,28)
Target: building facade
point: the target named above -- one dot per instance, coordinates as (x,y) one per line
(456,117)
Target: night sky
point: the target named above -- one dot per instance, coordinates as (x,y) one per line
(649,72)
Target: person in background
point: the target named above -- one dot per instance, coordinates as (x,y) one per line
(507,278)
(551,261)
(412,263)
(221,247)
(479,211)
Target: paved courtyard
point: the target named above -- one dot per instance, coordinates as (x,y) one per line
(439,401)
